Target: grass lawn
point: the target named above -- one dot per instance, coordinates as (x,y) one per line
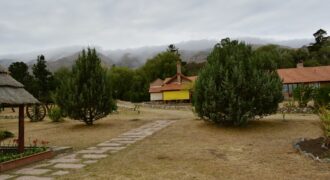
(190,148)
(75,133)
(193,149)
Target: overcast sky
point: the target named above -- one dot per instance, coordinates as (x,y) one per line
(29,25)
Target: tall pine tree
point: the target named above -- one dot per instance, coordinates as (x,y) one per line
(44,80)
(85,94)
(234,88)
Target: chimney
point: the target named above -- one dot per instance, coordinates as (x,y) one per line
(178,71)
(300,64)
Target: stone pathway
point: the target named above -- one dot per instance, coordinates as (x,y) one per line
(63,164)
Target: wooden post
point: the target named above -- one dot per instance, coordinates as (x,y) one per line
(21,129)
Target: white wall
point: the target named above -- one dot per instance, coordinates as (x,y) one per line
(156,96)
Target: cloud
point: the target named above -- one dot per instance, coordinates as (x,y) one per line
(111,24)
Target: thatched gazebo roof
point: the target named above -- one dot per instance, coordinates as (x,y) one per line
(12,92)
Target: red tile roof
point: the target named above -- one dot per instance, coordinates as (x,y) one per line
(155,89)
(192,78)
(305,74)
(157,82)
(167,85)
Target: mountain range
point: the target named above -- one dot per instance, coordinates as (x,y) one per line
(191,51)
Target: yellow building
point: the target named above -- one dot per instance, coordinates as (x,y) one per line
(176,88)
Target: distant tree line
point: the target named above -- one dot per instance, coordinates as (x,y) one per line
(41,83)
(133,84)
(314,54)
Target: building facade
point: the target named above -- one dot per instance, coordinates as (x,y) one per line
(176,88)
(311,76)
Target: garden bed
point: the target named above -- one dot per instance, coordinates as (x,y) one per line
(9,159)
(314,148)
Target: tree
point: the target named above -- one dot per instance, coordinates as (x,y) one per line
(171,48)
(192,68)
(233,88)
(86,94)
(282,57)
(140,86)
(44,80)
(303,94)
(321,38)
(322,96)
(161,66)
(122,77)
(19,71)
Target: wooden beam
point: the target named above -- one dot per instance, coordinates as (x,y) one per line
(21,129)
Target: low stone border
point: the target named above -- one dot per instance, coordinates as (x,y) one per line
(8,165)
(307,154)
(165,106)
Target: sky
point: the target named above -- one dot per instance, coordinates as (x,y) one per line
(115,24)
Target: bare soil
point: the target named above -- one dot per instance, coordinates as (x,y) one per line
(316,147)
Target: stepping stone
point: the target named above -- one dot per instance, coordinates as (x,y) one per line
(5,176)
(92,148)
(31,171)
(42,165)
(69,166)
(122,138)
(126,142)
(110,144)
(113,148)
(62,160)
(133,136)
(71,156)
(60,173)
(97,151)
(33,178)
(60,150)
(94,156)
(90,161)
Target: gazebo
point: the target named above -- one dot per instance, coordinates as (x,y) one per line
(13,93)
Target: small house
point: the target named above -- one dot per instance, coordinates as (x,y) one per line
(175,88)
(311,76)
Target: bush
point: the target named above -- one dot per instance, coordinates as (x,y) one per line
(325,121)
(322,96)
(5,134)
(303,94)
(55,114)
(234,87)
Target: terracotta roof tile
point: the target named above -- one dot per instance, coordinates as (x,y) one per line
(305,74)
(155,89)
(157,82)
(167,85)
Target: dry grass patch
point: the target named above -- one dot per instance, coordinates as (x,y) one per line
(77,134)
(192,149)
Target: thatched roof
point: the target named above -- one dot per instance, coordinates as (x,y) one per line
(12,92)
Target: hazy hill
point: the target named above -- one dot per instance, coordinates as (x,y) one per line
(68,61)
(195,50)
